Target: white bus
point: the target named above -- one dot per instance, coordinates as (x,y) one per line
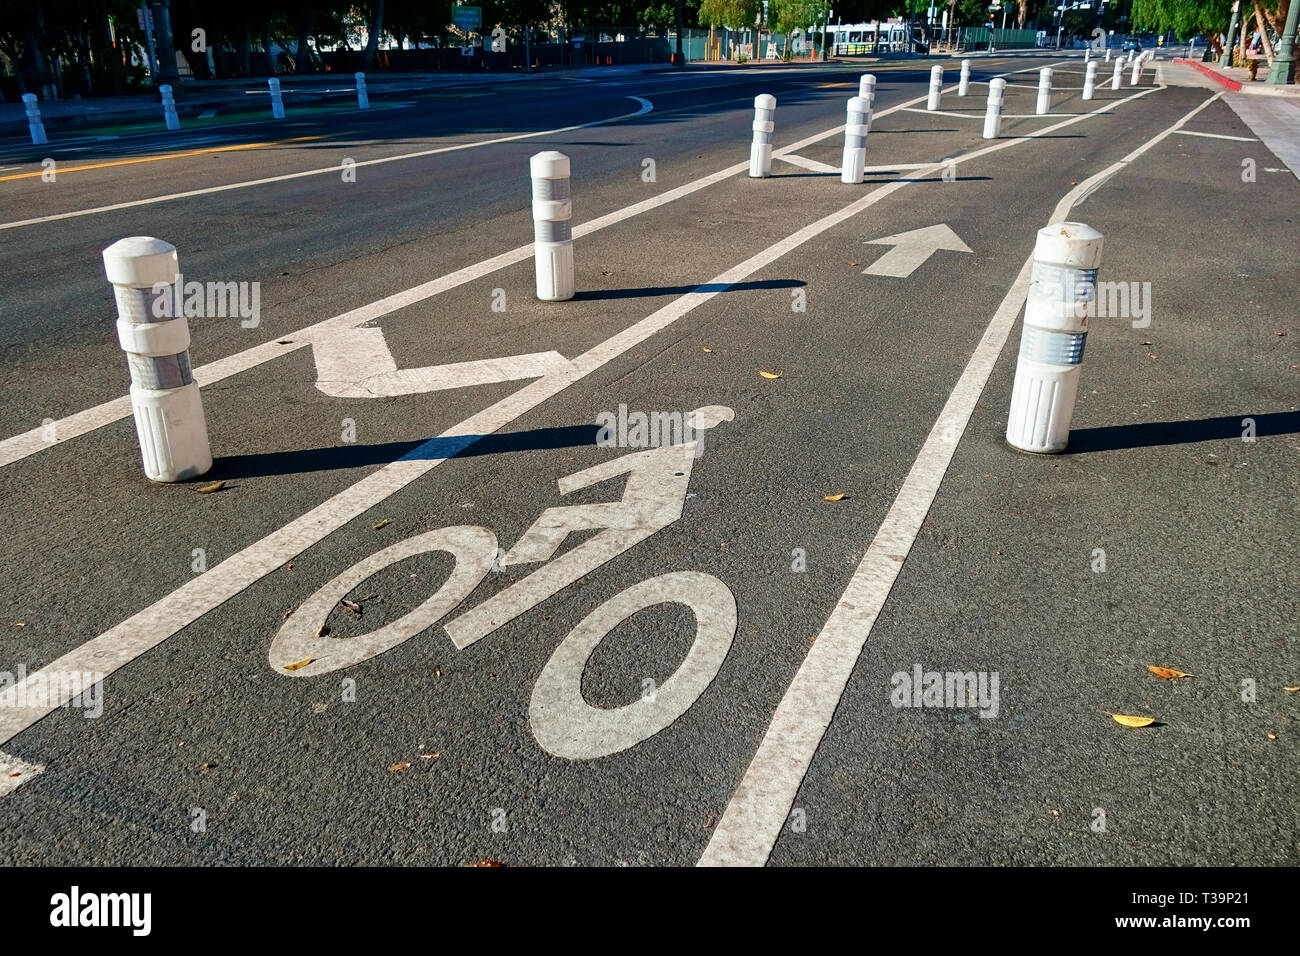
(859,39)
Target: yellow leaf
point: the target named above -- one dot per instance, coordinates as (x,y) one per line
(1167,673)
(215,486)
(1291,690)
(380,524)
(770,374)
(839,497)
(708,350)
(1128,721)
(399,767)
(299,665)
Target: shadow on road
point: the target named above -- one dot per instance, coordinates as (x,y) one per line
(1115,437)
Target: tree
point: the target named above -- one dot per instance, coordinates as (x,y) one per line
(732,14)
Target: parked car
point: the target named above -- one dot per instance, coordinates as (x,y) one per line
(1133,45)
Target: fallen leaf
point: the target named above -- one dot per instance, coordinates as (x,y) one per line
(770,374)
(380,524)
(852,263)
(399,767)
(708,821)
(20,623)
(289,566)
(1167,673)
(838,497)
(488,863)
(300,664)
(433,756)
(284,341)
(352,606)
(708,350)
(1128,721)
(1291,690)
(437,672)
(288,614)
(209,489)
(322,631)
(1272,736)
(205,767)
(18,774)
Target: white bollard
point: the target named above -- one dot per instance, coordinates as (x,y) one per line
(1044,91)
(277,101)
(867,89)
(963,86)
(1118,76)
(552,232)
(936,88)
(993,117)
(760,153)
(1090,80)
(34,124)
(856,127)
(363,97)
(1062,288)
(164,396)
(1137,72)
(169,107)
(1108,54)
(1087,55)
(1130,56)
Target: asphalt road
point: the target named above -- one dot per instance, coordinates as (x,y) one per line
(493,722)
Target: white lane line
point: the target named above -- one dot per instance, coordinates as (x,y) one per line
(1235,139)
(810,164)
(148,628)
(64,429)
(761,804)
(646,107)
(15,772)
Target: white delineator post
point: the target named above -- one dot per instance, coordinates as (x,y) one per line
(1044,91)
(34,124)
(963,85)
(1130,56)
(1118,76)
(363,97)
(552,231)
(1062,289)
(993,117)
(760,153)
(169,107)
(277,100)
(1090,80)
(936,88)
(856,127)
(164,396)
(1137,72)
(1108,54)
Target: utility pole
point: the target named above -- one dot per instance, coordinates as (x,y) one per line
(1282,71)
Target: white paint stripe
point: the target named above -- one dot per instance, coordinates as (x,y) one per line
(646,107)
(811,164)
(1235,139)
(15,772)
(29,443)
(147,629)
(760,805)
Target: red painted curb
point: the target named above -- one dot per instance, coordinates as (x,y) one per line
(1212,74)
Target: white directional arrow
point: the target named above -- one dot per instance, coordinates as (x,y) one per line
(356,363)
(911,249)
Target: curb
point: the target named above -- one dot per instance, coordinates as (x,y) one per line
(1216,76)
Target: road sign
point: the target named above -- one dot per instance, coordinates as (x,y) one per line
(467,19)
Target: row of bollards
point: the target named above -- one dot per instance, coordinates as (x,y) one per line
(168,409)
(167,94)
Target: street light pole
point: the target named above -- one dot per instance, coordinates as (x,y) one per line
(1282,71)
(1226,58)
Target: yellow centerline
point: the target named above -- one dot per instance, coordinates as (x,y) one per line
(160,156)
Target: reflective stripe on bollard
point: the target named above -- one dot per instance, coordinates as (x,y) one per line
(153,331)
(552,231)
(1062,289)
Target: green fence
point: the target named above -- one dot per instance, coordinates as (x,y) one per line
(977,38)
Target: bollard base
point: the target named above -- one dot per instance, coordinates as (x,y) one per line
(854,164)
(760,161)
(172,431)
(554,264)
